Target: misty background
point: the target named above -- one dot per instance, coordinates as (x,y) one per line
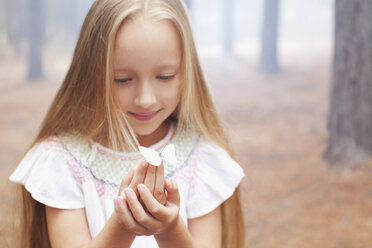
(303,26)
(272,81)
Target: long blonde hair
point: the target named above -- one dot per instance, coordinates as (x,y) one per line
(85,103)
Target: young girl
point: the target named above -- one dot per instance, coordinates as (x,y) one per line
(135,79)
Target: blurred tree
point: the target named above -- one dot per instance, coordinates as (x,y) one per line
(36,37)
(15,23)
(70,16)
(350,119)
(269,39)
(228,26)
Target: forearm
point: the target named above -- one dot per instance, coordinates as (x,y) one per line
(177,236)
(113,235)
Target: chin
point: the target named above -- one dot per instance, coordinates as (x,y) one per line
(148,129)
(145,131)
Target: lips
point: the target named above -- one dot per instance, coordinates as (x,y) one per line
(144,116)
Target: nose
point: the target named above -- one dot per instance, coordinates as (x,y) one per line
(145,95)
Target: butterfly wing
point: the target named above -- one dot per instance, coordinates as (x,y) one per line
(151,156)
(169,153)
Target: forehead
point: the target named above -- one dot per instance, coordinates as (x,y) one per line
(146,41)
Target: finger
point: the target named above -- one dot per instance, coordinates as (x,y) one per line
(150,178)
(157,210)
(126,218)
(173,195)
(139,176)
(139,213)
(126,181)
(159,193)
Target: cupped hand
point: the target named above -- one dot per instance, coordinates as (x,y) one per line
(152,217)
(151,176)
(133,178)
(154,181)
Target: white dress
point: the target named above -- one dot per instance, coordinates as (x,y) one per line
(69,172)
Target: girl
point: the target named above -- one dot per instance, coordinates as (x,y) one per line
(135,79)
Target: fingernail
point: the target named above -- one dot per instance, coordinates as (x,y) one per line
(141,188)
(119,202)
(129,192)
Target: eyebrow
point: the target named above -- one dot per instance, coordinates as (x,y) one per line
(167,65)
(172,65)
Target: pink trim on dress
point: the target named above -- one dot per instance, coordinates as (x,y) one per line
(81,173)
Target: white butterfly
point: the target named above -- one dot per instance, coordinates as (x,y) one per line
(168,153)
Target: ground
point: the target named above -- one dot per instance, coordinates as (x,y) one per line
(277,125)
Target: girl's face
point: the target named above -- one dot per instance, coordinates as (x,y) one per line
(147,61)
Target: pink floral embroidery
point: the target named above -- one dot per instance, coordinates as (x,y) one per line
(81,173)
(187,173)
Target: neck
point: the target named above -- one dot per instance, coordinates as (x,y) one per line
(156,136)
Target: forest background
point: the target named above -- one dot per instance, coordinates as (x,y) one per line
(273,76)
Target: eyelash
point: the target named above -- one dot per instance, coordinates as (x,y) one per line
(122,80)
(126,80)
(165,77)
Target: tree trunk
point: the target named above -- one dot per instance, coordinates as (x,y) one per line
(269,39)
(36,38)
(15,24)
(228,26)
(350,119)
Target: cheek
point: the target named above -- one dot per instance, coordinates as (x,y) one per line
(122,96)
(172,96)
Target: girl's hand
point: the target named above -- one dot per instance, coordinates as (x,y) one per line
(157,219)
(154,181)
(133,178)
(151,176)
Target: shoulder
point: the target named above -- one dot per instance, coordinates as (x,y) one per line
(46,173)
(206,145)
(44,150)
(55,147)
(200,152)
(210,156)
(43,156)
(215,178)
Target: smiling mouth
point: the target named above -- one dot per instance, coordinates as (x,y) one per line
(144,116)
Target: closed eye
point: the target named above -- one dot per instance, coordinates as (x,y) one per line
(122,80)
(165,77)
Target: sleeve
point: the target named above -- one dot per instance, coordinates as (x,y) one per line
(216,177)
(45,173)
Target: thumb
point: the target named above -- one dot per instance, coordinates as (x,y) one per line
(173,196)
